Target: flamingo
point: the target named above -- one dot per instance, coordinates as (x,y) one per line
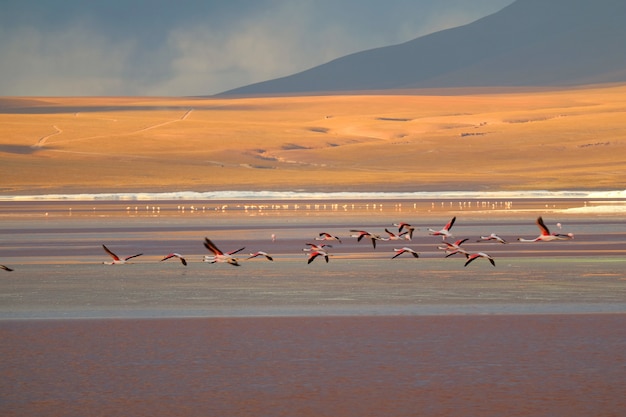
(117,259)
(473,256)
(315,253)
(362,233)
(405,250)
(409,228)
(393,236)
(175,255)
(314,247)
(445,232)
(545,235)
(218,255)
(492,236)
(327,236)
(454,248)
(261,253)
(6,268)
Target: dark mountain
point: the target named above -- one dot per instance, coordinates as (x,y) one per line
(529,43)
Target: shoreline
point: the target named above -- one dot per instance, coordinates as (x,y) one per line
(315,195)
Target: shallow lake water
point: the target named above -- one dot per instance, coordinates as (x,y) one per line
(364,334)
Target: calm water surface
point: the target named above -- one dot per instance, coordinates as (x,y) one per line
(540,334)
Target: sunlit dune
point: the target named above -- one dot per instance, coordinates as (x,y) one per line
(560,139)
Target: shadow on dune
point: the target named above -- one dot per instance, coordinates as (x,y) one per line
(20,149)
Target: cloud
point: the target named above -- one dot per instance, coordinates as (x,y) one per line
(251,50)
(70,61)
(201,47)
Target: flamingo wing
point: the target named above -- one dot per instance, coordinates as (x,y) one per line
(6,268)
(211,246)
(542,226)
(470,258)
(132,256)
(450,224)
(177,255)
(107,250)
(236,251)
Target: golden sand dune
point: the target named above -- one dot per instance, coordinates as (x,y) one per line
(428,140)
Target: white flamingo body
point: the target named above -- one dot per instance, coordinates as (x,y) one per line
(445,231)
(218,255)
(116,259)
(473,256)
(405,250)
(492,236)
(175,255)
(545,235)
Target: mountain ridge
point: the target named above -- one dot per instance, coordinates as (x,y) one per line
(529,43)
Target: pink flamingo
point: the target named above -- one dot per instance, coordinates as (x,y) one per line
(401,236)
(261,253)
(218,255)
(492,236)
(175,255)
(545,235)
(454,248)
(445,232)
(315,253)
(408,227)
(116,259)
(327,236)
(473,256)
(405,250)
(362,233)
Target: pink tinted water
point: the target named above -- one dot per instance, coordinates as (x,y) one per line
(485,365)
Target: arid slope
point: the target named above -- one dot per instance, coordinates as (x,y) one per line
(428,140)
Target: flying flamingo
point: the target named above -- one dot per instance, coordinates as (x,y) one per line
(6,268)
(315,253)
(327,236)
(261,253)
(492,236)
(408,227)
(454,248)
(445,232)
(175,255)
(545,235)
(362,233)
(315,246)
(117,259)
(405,250)
(401,236)
(473,256)
(218,255)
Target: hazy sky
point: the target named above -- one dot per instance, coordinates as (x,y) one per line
(198,47)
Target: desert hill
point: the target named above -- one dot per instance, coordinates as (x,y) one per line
(529,43)
(555,139)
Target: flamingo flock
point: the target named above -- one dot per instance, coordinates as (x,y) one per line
(314,251)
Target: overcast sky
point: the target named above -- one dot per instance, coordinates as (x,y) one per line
(199,47)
